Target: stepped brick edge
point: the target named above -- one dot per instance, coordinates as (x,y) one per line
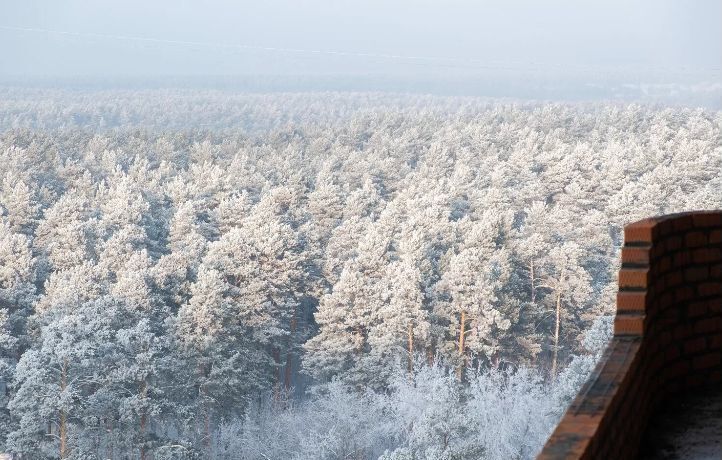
(667,337)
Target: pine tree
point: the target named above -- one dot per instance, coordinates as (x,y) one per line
(569,288)
(469,296)
(20,205)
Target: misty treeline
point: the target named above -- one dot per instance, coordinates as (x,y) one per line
(338,277)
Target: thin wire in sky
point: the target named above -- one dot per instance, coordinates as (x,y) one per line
(448,62)
(234,46)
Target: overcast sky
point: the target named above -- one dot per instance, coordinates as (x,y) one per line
(450,36)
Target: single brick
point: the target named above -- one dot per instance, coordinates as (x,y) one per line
(673,243)
(694,274)
(707,255)
(665,338)
(683,294)
(631,300)
(681,259)
(635,255)
(706,361)
(581,424)
(673,279)
(707,219)
(656,288)
(629,324)
(633,277)
(682,331)
(694,346)
(669,318)
(696,309)
(682,223)
(665,227)
(715,237)
(706,325)
(695,239)
(715,272)
(640,232)
(709,289)
(715,341)
(715,305)
(659,284)
(665,264)
(671,354)
(657,252)
(666,300)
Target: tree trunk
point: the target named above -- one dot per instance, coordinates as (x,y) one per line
(63,429)
(276,353)
(289,355)
(555,353)
(208,431)
(410,335)
(462,335)
(361,334)
(203,371)
(142,437)
(143,420)
(111,447)
(533,288)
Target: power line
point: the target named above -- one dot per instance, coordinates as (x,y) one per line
(415,59)
(231,46)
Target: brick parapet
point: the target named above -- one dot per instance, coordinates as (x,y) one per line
(667,336)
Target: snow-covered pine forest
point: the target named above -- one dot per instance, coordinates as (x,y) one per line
(207,275)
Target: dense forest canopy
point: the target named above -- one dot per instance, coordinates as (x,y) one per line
(332,275)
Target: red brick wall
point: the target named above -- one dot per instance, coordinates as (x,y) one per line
(667,336)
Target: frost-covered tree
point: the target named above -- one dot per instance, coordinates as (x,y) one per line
(469,295)
(66,236)
(306,275)
(19,205)
(17,295)
(347,315)
(569,286)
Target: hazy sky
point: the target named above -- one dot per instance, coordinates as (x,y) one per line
(458,35)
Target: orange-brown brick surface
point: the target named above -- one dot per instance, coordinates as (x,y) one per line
(667,337)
